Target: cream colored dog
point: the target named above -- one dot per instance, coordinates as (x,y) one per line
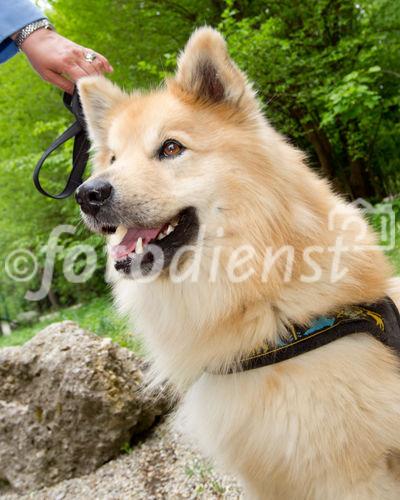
(192,178)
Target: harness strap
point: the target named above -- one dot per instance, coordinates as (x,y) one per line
(381,320)
(80,155)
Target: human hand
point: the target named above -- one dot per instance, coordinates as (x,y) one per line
(61,61)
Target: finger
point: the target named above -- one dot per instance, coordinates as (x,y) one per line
(61,82)
(105,64)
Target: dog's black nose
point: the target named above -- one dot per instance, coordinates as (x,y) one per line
(91,195)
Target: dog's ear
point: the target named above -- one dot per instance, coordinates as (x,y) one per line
(98,97)
(206,71)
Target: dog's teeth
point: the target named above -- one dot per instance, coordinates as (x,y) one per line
(121,231)
(139,246)
(169,229)
(174,223)
(118,236)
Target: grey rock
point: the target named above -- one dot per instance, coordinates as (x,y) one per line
(69,400)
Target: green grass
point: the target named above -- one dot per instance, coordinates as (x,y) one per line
(99,316)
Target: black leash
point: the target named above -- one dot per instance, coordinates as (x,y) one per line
(80,155)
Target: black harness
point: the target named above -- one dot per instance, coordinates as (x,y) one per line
(80,155)
(381,320)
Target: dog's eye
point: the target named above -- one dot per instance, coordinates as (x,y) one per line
(112,159)
(170,149)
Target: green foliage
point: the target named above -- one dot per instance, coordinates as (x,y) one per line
(352,97)
(328,73)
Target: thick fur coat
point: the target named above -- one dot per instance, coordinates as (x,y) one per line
(322,426)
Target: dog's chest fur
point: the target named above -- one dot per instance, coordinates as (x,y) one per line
(293,425)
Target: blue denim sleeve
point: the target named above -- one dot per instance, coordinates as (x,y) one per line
(14,15)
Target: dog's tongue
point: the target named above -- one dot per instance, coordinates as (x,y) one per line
(128,243)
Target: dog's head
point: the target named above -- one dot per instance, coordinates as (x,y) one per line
(165,159)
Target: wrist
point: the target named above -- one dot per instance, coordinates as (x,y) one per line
(37,39)
(30,29)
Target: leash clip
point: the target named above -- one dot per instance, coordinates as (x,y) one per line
(80,155)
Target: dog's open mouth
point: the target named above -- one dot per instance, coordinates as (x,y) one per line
(143,248)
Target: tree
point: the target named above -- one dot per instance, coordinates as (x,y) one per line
(329,75)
